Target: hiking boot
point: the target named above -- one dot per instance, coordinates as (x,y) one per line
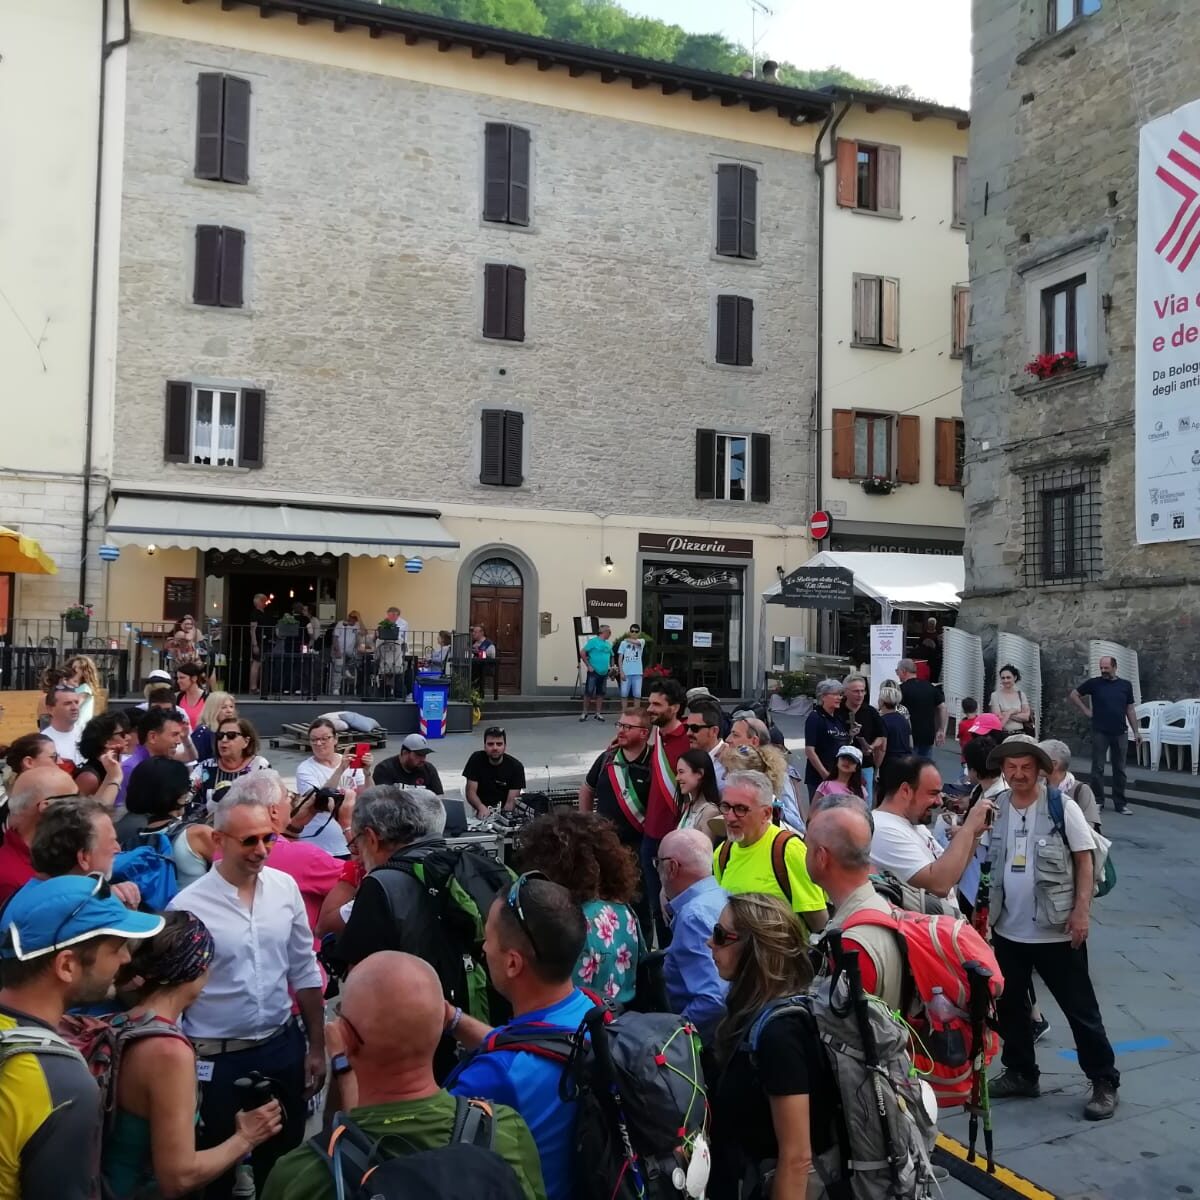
(1041,1027)
(1103,1103)
(1009,1084)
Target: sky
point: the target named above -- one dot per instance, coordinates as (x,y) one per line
(924,43)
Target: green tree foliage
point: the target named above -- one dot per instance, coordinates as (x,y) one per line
(607,26)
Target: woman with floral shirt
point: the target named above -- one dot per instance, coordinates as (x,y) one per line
(582,852)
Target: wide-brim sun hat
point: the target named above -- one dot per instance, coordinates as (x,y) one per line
(1020,745)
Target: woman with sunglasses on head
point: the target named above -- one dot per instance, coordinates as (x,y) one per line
(150,1146)
(159,791)
(237,754)
(699,793)
(218,707)
(582,852)
(772,1103)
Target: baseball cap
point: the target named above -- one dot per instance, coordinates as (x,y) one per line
(985,723)
(850,752)
(417,744)
(158,675)
(52,914)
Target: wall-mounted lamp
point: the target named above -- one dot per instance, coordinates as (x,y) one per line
(152,549)
(391,561)
(608,564)
(779,572)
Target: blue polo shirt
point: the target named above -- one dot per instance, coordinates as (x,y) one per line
(599,654)
(529,1084)
(1110,699)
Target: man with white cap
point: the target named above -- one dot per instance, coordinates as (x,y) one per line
(62,942)
(411,767)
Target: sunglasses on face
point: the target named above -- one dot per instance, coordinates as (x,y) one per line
(267,839)
(229,734)
(514,904)
(738,810)
(724,937)
(695,727)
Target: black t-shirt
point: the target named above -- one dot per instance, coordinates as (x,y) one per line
(600,781)
(870,724)
(922,699)
(789,1062)
(495,780)
(426,776)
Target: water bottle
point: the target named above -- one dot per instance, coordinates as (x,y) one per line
(941,1010)
(946,1043)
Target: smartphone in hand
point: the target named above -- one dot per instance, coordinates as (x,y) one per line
(360,752)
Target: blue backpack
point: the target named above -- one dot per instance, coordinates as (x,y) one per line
(152,867)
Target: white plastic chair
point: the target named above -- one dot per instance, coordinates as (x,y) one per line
(1179,725)
(1148,715)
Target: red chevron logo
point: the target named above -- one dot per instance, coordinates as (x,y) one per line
(1181,242)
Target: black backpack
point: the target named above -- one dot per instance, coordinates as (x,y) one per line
(639,1086)
(466,1168)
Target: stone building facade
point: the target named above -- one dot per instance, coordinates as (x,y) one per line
(1059,94)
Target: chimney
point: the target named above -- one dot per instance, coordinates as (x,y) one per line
(770,71)
(747,74)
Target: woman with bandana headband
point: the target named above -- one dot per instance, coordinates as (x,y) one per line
(150,1145)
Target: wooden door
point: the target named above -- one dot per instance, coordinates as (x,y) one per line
(499,611)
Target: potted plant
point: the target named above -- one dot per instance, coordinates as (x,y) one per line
(476,707)
(658,671)
(1046,366)
(77,618)
(388,631)
(878,485)
(287,627)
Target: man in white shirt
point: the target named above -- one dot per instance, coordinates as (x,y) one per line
(903,842)
(242,1021)
(1043,857)
(630,651)
(63,705)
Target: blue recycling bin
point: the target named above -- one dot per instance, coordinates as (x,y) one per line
(431,692)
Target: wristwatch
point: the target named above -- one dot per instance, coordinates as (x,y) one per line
(339,1064)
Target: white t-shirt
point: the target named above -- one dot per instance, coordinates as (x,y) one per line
(1018,919)
(322,832)
(66,744)
(903,848)
(630,653)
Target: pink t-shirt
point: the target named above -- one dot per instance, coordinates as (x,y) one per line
(314,870)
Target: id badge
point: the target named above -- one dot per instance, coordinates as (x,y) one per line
(1020,856)
(204,1070)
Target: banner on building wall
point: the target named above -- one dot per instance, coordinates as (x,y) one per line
(1167,404)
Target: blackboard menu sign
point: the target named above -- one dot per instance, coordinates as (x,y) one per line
(179,598)
(818,587)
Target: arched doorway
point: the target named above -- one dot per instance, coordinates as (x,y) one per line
(497,603)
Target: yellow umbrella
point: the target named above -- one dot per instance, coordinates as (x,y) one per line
(23,555)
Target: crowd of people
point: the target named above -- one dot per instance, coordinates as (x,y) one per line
(266,956)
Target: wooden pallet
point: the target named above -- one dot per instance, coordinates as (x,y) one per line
(295,737)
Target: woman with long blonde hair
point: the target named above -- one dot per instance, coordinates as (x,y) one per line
(771,761)
(81,674)
(773,1096)
(218,707)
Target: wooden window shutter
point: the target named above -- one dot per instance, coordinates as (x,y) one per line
(206,285)
(960,311)
(960,192)
(727,330)
(210,105)
(866,310)
(706,464)
(514,444)
(177,425)
(233,257)
(748,243)
(889,313)
(514,304)
(518,176)
(728,203)
(745,331)
(760,467)
(495,172)
(235,139)
(908,449)
(945,459)
(491,447)
(495,291)
(889,180)
(254,404)
(843,443)
(847,173)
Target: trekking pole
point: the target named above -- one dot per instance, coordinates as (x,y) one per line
(980,1001)
(602,1052)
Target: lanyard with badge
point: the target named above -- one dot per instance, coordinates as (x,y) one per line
(1020,855)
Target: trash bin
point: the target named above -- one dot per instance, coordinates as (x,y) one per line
(431,692)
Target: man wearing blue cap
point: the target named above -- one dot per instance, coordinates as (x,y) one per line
(62,942)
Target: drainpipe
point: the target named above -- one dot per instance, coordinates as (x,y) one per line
(106,49)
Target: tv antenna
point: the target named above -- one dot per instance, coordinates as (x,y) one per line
(756,7)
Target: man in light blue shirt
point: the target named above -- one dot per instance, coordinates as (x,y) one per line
(597,656)
(695,900)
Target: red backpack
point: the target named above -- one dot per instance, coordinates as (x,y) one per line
(936,951)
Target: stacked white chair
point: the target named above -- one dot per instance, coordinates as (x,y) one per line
(1178,725)
(1026,656)
(1149,719)
(1127,663)
(962,669)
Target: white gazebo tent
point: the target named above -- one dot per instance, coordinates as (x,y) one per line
(896,582)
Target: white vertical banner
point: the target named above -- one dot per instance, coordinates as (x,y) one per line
(1167,389)
(887,649)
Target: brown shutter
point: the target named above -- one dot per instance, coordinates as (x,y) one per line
(518,176)
(843,443)
(209,107)
(177,425)
(728,197)
(866,310)
(514,429)
(514,304)
(235,140)
(908,449)
(960,311)
(847,173)
(206,285)
(233,257)
(748,246)
(491,447)
(760,467)
(727,330)
(888,186)
(495,172)
(706,464)
(960,192)
(745,331)
(494,295)
(889,310)
(254,404)
(945,464)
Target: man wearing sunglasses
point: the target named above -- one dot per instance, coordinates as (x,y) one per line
(62,942)
(32,793)
(703,725)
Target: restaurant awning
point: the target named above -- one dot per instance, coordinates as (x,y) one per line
(21,555)
(281,528)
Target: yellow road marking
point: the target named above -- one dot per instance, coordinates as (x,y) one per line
(1010,1179)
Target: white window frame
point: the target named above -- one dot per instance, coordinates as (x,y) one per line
(195,450)
(1078,10)
(721,474)
(1085,261)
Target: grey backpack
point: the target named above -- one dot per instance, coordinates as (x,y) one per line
(884,1131)
(33,1039)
